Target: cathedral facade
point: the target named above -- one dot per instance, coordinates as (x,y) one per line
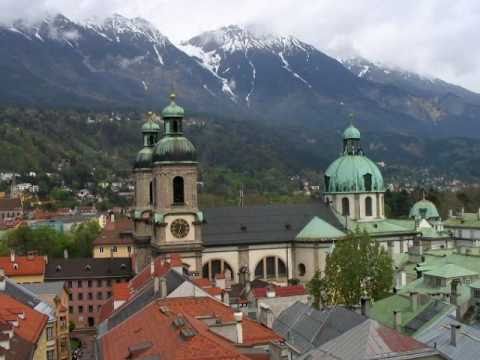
(273,242)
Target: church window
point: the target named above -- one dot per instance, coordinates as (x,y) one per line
(216,266)
(270,267)
(367,180)
(368,206)
(327,183)
(175,126)
(151,192)
(345,207)
(178,190)
(301,269)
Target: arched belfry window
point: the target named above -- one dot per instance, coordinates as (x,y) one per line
(178,190)
(368,206)
(175,126)
(345,207)
(367,180)
(151,193)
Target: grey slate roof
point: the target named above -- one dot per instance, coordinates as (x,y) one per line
(145,297)
(306,328)
(261,224)
(468,339)
(82,268)
(49,288)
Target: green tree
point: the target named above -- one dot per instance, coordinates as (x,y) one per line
(358,266)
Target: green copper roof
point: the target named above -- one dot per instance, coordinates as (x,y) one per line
(382,226)
(424,209)
(144,158)
(449,271)
(468,220)
(173,110)
(174,148)
(351,132)
(319,229)
(350,173)
(150,126)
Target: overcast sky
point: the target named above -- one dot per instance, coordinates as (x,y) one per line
(436,37)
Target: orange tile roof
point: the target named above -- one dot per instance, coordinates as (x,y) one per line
(31,326)
(116,233)
(161,267)
(121,291)
(214,291)
(253,333)
(151,332)
(202,282)
(106,310)
(280,291)
(25,265)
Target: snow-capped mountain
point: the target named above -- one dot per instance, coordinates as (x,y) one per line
(418,84)
(232,72)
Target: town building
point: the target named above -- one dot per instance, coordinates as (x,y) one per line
(11,208)
(273,242)
(89,282)
(23,269)
(24,333)
(115,239)
(56,295)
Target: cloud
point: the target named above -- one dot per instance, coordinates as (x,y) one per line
(434,37)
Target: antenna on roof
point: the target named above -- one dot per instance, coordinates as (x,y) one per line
(352,117)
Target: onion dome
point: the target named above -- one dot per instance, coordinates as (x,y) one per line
(353,173)
(424,209)
(144,158)
(174,147)
(351,132)
(173,110)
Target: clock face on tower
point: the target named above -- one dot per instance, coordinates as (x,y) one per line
(179,228)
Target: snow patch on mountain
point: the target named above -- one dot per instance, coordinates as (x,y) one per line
(286,66)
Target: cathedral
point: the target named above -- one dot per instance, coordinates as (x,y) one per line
(273,242)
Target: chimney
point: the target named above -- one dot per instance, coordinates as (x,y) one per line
(112,218)
(271,291)
(152,266)
(65,253)
(397,319)
(454,292)
(12,255)
(238,319)
(266,315)
(453,334)
(365,304)
(463,212)
(450,213)
(2,279)
(226,298)
(414,301)
(160,287)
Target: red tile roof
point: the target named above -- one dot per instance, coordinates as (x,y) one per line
(280,291)
(151,331)
(7,204)
(30,327)
(116,233)
(203,283)
(253,332)
(23,265)
(106,310)
(398,342)
(214,291)
(121,291)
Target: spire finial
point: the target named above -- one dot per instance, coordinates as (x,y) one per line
(352,117)
(423,194)
(173,96)
(150,116)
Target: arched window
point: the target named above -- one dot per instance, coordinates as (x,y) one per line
(151,193)
(368,206)
(345,207)
(271,267)
(367,180)
(178,190)
(175,126)
(327,183)
(301,269)
(216,266)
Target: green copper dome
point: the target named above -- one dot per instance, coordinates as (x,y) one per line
(353,173)
(174,148)
(424,209)
(173,110)
(351,132)
(144,158)
(150,126)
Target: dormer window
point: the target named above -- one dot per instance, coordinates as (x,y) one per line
(88,267)
(58,268)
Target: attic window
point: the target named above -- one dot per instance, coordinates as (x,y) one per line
(15,266)
(123,266)
(88,267)
(58,268)
(243,227)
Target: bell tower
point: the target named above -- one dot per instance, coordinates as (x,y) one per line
(176,217)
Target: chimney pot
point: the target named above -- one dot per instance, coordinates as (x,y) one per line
(397,319)
(453,334)
(12,255)
(65,253)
